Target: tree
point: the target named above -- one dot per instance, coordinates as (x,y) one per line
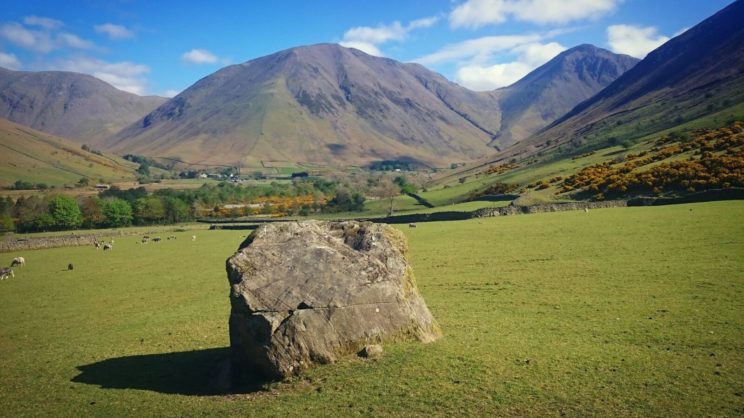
(92,210)
(387,189)
(149,209)
(176,210)
(65,212)
(118,212)
(6,224)
(144,169)
(39,223)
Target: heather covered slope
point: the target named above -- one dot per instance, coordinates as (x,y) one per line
(76,106)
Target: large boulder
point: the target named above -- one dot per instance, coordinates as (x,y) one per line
(310,292)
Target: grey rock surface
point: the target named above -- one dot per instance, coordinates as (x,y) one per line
(305,293)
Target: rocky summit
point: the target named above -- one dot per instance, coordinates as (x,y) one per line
(305,293)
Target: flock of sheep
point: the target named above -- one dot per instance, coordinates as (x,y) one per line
(6,272)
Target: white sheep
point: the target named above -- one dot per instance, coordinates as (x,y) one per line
(18,261)
(5,272)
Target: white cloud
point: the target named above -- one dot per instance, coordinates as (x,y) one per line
(477,13)
(477,50)
(127,76)
(44,22)
(73,41)
(368,39)
(481,78)
(367,47)
(9,61)
(43,40)
(34,40)
(537,54)
(199,56)
(378,35)
(681,31)
(425,22)
(170,93)
(633,40)
(114,31)
(488,77)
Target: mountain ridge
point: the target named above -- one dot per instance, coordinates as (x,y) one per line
(692,75)
(77,106)
(355,107)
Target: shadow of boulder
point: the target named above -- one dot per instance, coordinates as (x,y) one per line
(192,373)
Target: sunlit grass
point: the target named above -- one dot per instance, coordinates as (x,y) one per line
(615,312)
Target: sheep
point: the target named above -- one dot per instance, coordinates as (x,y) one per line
(156,239)
(97,244)
(18,261)
(193,238)
(586,210)
(70,267)
(411,225)
(5,272)
(107,246)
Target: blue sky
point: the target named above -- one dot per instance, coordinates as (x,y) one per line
(162,47)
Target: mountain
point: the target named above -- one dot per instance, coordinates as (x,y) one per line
(38,157)
(322,103)
(333,105)
(76,106)
(698,74)
(554,88)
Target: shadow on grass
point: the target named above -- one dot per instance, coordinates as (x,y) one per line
(194,373)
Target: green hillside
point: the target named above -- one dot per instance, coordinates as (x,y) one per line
(33,156)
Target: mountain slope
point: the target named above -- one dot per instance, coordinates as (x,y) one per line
(30,155)
(554,88)
(695,74)
(321,103)
(77,106)
(333,105)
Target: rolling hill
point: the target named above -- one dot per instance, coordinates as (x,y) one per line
(37,157)
(333,105)
(76,106)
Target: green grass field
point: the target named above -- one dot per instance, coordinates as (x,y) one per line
(615,312)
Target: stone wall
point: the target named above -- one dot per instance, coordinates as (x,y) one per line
(547,207)
(21,244)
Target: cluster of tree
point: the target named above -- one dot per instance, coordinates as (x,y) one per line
(87,148)
(716,160)
(139,159)
(26,185)
(60,212)
(493,189)
(116,207)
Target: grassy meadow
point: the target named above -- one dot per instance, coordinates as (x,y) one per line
(615,312)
